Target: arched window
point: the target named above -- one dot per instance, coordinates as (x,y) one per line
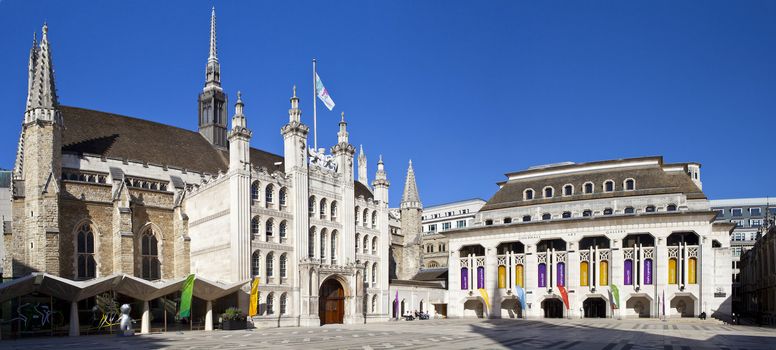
(650,209)
(692,268)
(603,272)
(584,271)
(672,271)
(357,211)
(374,219)
(568,190)
(324,237)
(366,244)
(588,187)
(87,267)
(333,247)
(283,263)
(365,217)
(526,218)
(255,191)
(546,216)
(322,209)
(311,205)
(671,207)
(333,215)
(149,250)
(283,303)
(528,194)
(629,210)
(282,230)
(587,212)
(268,193)
(374,245)
(630,184)
(282,197)
(549,192)
(255,226)
(358,241)
(270,303)
(268,229)
(608,211)
(374,303)
(270,265)
(608,186)
(311,243)
(433,264)
(374,274)
(566,214)
(256,263)
(502,276)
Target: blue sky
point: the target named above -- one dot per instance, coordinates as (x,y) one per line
(468,90)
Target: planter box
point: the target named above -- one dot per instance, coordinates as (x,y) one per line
(230,325)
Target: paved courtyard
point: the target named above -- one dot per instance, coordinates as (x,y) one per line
(604,334)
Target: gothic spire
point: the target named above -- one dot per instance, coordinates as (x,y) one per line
(42,101)
(410,198)
(213,70)
(294,113)
(362,168)
(342,135)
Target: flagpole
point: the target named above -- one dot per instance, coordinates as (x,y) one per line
(315,110)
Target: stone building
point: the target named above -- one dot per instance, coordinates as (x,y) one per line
(97,194)
(758,277)
(639,224)
(440,218)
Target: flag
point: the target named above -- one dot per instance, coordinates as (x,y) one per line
(323,94)
(254,305)
(484,294)
(186,291)
(565,295)
(521,296)
(664,303)
(615,296)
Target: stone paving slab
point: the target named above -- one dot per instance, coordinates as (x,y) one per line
(599,334)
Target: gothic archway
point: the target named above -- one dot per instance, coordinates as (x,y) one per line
(331,306)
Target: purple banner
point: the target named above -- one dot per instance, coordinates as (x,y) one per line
(464,278)
(648,271)
(561,274)
(481,277)
(542,275)
(628,272)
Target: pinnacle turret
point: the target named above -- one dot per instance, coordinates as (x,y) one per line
(362,168)
(410,198)
(213,70)
(42,101)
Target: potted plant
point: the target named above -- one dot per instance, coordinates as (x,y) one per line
(233,318)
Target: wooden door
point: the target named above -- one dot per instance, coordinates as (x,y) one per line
(332,303)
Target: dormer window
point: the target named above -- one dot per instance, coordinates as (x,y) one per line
(630,184)
(609,186)
(671,207)
(588,187)
(528,194)
(546,216)
(608,211)
(568,190)
(650,209)
(566,214)
(587,212)
(630,210)
(548,192)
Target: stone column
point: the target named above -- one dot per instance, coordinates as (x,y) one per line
(572,276)
(145,322)
(491,279)
(531,280)
(209,315)
(616,267)
(74,321)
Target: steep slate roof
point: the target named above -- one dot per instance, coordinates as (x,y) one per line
(362,190)
(650,179)
(410,187)
(117,136)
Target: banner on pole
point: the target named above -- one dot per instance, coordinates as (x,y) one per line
(322,93)
(186,291)
(254,305)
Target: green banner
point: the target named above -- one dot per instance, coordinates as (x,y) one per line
(615,296)
(186,291)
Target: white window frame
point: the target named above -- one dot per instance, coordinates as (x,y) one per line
(625,184)
(525,194)
(614,186)
(592,186)
(544,191)
(564,190)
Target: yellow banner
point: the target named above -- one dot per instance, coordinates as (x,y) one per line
(254,307)
(484,294)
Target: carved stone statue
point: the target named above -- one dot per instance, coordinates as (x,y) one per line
(126,321)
